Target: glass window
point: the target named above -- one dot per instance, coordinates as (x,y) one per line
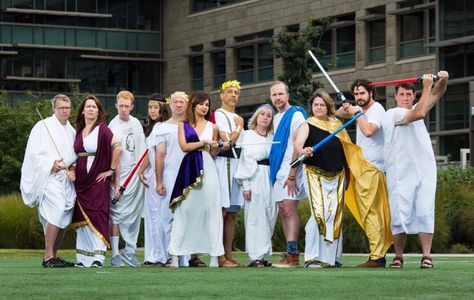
(116,76)
(26,4)
(148,42)
(197,67)
(71,5)
(149,15)
(54,64)
(70,37)
(23,63)
(116,40)
(54,4)
(376,36)
(218,59)
(85,38)
(39,35)
(255,61)
(101,39)
(458,60)
(39,70)
(131,41)
(118,10)
(88,6)
(54,36)
(416,29)
(458,20)
(23,34)
(338,42)
(199,5)
(454,107)
(6,34)
(451,144)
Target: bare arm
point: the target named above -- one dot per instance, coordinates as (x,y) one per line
(367,128)
(160,154)
(185,146)
(214,149)
(141,171)
(429,97)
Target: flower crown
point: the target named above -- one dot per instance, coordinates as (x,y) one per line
(228,84)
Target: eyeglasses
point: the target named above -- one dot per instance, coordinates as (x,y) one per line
(63,108)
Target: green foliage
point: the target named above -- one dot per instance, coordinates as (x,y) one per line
(298,67)
(461,249)
(17,118)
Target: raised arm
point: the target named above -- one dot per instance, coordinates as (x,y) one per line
(429,97)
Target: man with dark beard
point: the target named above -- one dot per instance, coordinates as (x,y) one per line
(372,206)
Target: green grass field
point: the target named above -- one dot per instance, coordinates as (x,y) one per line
(22,277)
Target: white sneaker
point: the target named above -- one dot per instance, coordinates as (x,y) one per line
(116,261)
(174,261)
(130,259)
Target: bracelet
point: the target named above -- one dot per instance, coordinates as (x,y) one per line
(112,169)
(291,178)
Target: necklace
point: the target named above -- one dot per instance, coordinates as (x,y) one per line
(259,133)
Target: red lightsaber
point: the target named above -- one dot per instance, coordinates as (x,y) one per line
(400,81)
(129,177)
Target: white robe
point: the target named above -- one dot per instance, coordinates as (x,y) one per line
(230,189)
(158,215)
(261,210)
(411,174)
(198,224)
(128,210)
(53,193)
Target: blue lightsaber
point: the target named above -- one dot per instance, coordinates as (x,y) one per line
(302,157)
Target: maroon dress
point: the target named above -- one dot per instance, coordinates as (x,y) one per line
(93,197)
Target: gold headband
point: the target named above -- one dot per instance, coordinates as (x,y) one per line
(228,84)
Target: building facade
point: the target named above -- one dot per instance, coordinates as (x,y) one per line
(87,46)
(102,47)
(207,42)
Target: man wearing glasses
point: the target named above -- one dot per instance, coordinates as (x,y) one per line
(47,177)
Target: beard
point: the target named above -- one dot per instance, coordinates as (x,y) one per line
(363,103)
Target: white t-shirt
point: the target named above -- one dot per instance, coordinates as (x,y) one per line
(372,147)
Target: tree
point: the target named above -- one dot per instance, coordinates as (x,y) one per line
(298,68)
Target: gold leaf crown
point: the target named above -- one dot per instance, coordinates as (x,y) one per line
(228,84)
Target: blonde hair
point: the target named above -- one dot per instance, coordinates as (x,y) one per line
(178,94)
(252,124)
(59,97)
(126,95)
(327,100)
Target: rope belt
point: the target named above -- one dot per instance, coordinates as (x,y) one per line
(82,154)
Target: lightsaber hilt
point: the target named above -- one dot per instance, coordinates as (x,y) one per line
(302,157)
(340,95)
(121,190)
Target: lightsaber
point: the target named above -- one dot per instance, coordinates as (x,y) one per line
(400,81)
(340,95)
(51,137)
(302,157)
(231,145)
(241,145)
(129,177)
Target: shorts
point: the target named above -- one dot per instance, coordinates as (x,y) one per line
(233,208)
(280,193)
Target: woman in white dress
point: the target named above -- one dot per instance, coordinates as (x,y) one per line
(197,227)
(253,172)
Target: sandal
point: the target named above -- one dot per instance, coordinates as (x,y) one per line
(426,263)
(397,263)
(257,264)
(196,262)
(227,264)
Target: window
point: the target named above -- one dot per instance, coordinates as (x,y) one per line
(458,60)
(339,43)
(218,59)
(454,107)
(376,35)
(197,67)
(458,20)
(416,28)
(199,5)
(254,57)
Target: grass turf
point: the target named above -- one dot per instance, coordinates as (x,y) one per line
(21,277)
